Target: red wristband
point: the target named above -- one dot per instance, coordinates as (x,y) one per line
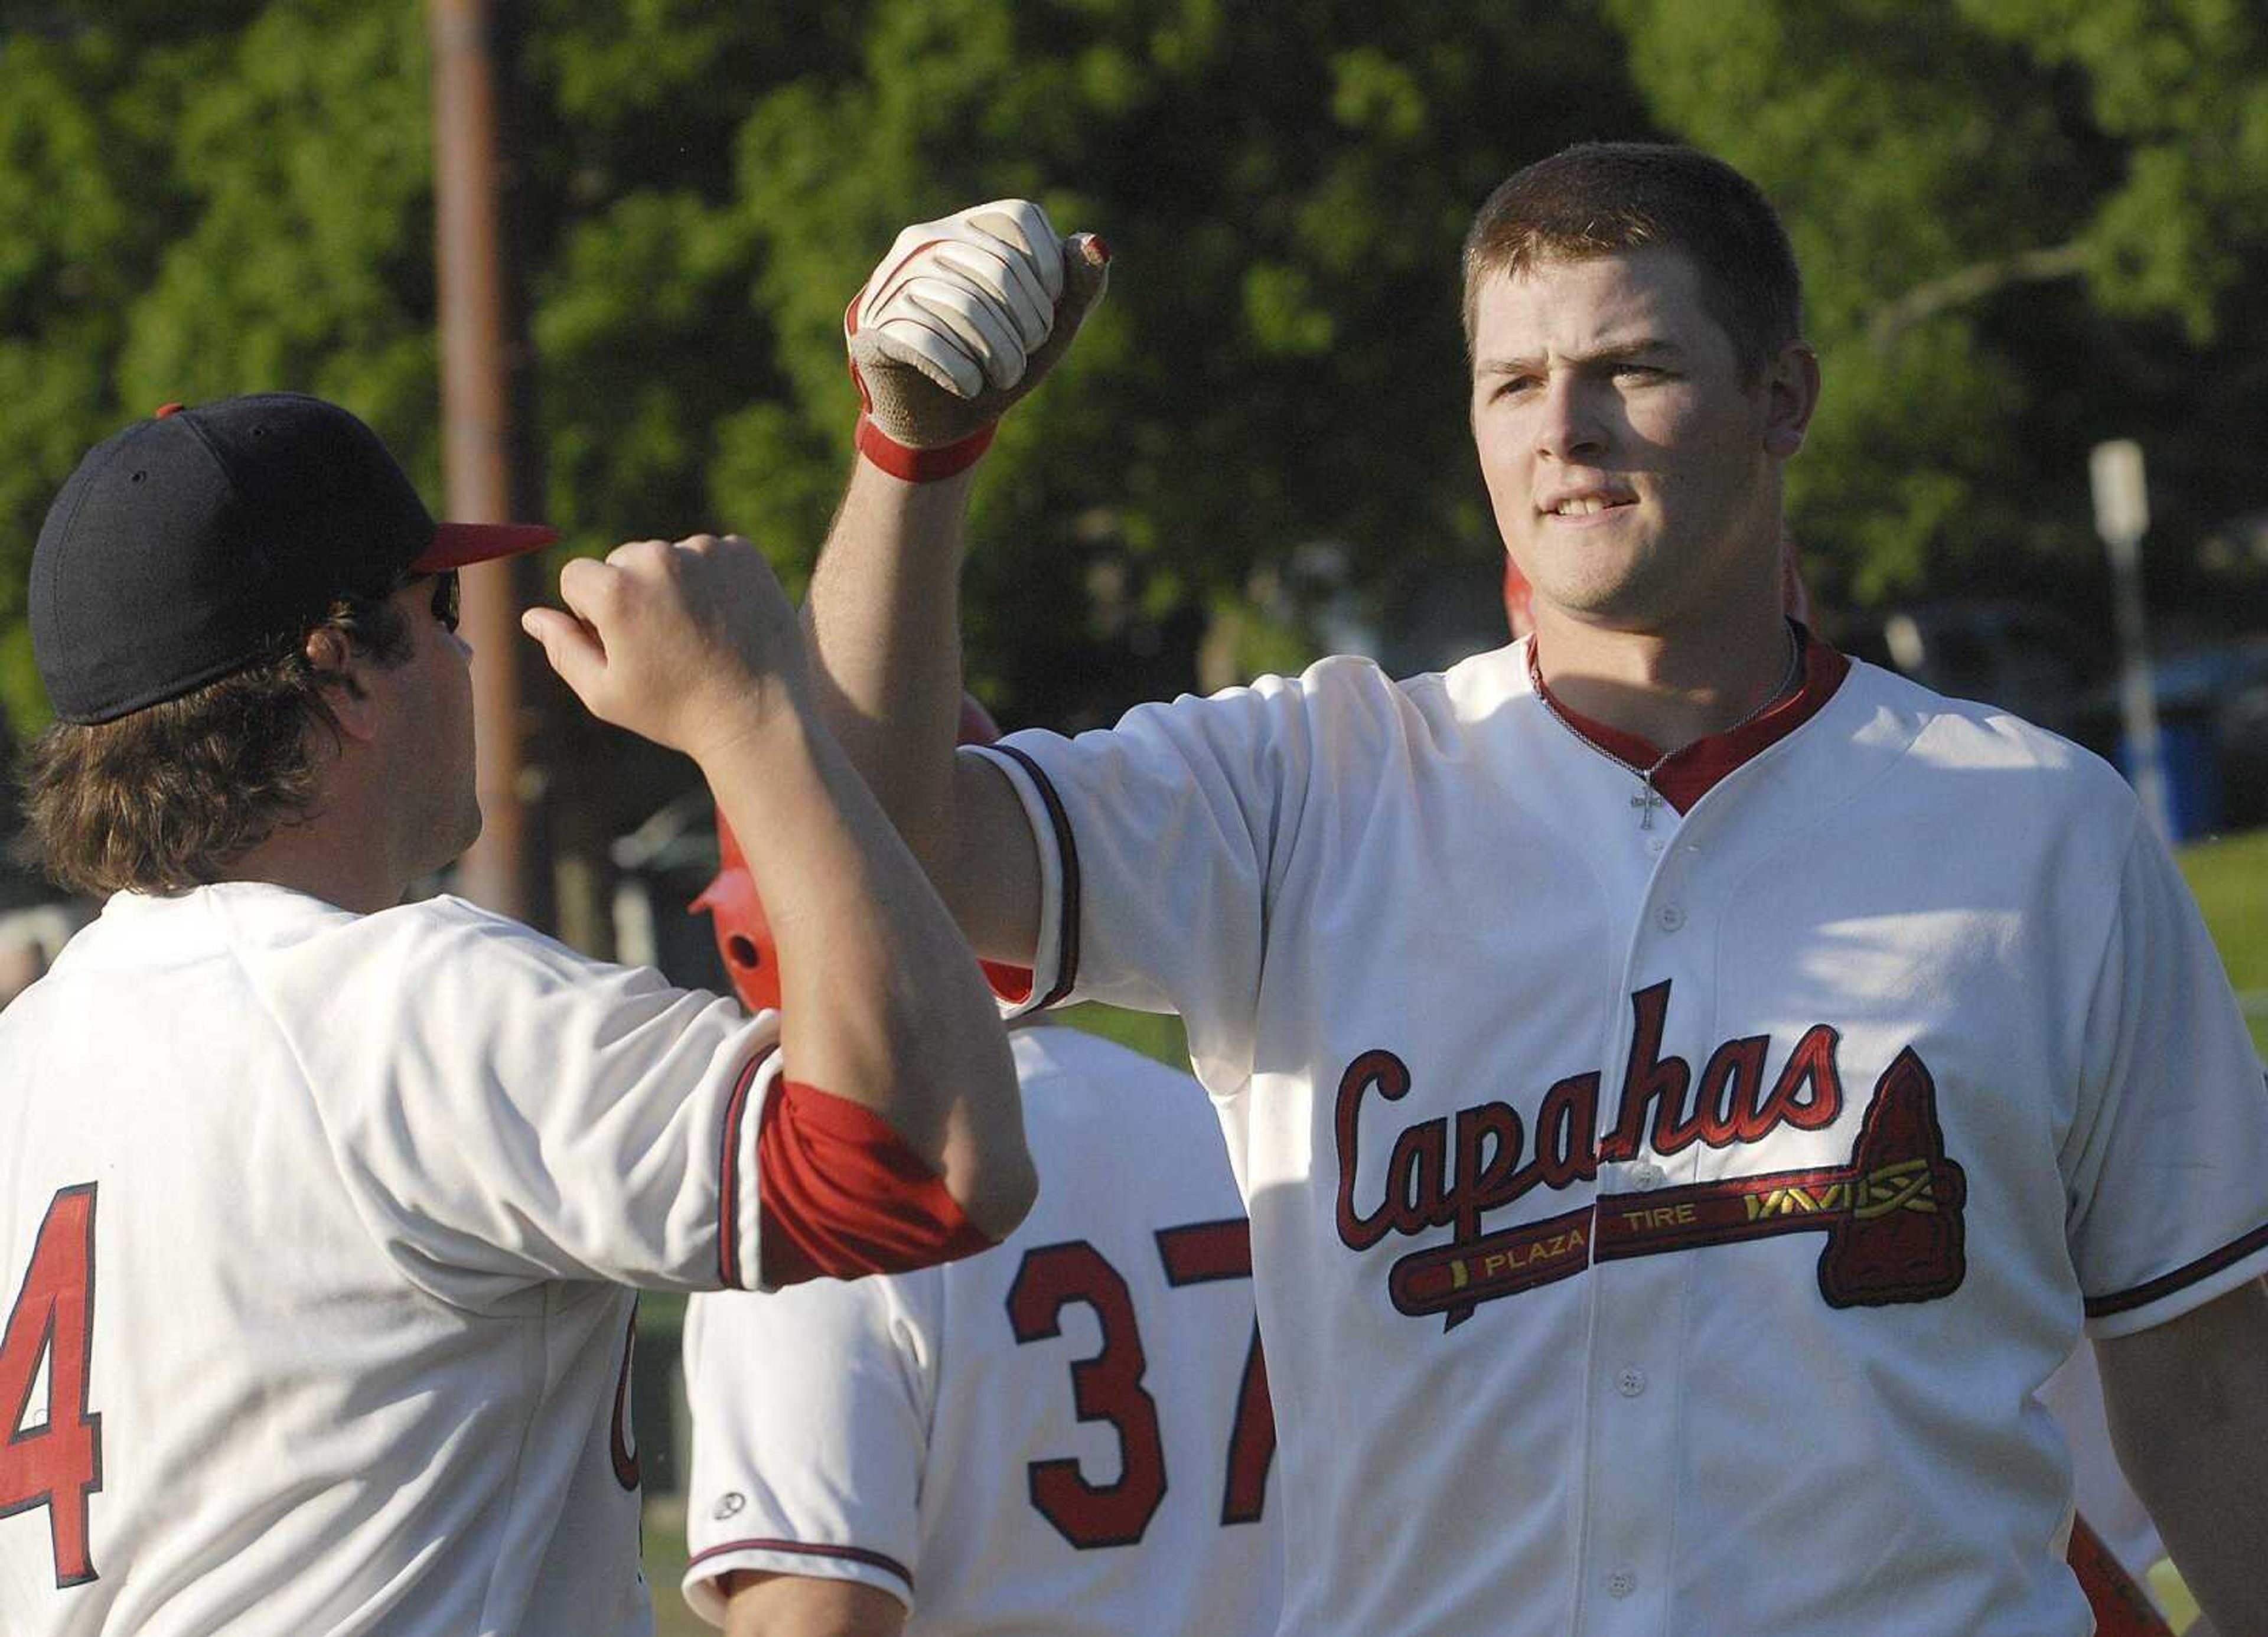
(920,465)
(908,466)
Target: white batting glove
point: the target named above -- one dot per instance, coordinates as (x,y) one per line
(963,317)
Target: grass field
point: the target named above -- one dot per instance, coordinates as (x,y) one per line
(2229,876)
(2230,879)
(665,1564)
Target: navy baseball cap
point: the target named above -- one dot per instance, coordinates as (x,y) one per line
(203,541)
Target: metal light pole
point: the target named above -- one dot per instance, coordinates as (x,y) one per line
(507,870)
(2121,516)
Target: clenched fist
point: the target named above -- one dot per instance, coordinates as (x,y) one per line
(688,644)
(965,316)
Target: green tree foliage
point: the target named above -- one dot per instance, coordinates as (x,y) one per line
(204,202)
(2027,224)
(244,200)
(1278,361)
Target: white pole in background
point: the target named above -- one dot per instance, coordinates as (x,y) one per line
(2121,516)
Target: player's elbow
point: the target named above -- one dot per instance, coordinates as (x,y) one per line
(1001,1193)
(845,1195)
(986,1163)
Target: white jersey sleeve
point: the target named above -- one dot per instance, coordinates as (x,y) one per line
(1160,840)
(814,1406)
(2165,1153)
(506,1111)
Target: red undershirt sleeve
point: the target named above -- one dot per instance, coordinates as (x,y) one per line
(1010,984)
(841,1195)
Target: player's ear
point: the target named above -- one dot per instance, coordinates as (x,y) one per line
(1791,393)
(338,673)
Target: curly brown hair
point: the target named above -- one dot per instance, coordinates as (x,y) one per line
(166,797)
(1604,198)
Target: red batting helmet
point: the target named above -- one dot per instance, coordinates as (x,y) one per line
(744,937)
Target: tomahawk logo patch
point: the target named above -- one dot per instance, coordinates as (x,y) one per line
(1891,1216)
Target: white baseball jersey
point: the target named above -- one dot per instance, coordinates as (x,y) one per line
(314,1231)
(1068,1433)
(1663,1223)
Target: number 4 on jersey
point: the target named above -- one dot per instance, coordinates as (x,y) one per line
(56,1463)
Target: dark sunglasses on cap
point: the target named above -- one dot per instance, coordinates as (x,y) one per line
(448,604)
(448,607)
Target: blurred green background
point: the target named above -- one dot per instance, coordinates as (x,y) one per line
(2027,226)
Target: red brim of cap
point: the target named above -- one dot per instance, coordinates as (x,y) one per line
(457,543)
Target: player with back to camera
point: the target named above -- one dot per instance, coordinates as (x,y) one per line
(319,1209)
(1690,1087)
(1071,1433)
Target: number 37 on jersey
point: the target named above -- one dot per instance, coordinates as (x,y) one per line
(1109,1387)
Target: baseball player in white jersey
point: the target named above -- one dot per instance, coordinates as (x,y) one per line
(2112,1545)
(317,1209)
(1071,1434)
(1690,1088)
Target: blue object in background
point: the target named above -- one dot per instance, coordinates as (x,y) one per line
(2193,794)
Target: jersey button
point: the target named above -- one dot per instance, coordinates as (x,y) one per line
(1655,846)
(1631,1382)
(1621,1583)
(1645,1175)
(1671,918)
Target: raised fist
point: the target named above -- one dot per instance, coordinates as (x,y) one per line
(962,318)
(685,642)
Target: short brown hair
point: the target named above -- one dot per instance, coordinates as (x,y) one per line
(167,796)
(1604,198)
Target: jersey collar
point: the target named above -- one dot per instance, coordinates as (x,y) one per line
(1689,775)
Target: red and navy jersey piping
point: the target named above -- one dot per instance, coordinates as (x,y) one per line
(1689,775)
(728,1178)
(1067,850)
(2165,1284)
(799,1548)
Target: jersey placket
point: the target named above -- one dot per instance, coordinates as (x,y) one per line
(1634,1361)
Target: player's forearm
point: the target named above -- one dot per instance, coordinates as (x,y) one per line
(797,1605)
(2189,1417)
(2222,1536)
(883,623)
(881,1002)
(883,615)
(962,319)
